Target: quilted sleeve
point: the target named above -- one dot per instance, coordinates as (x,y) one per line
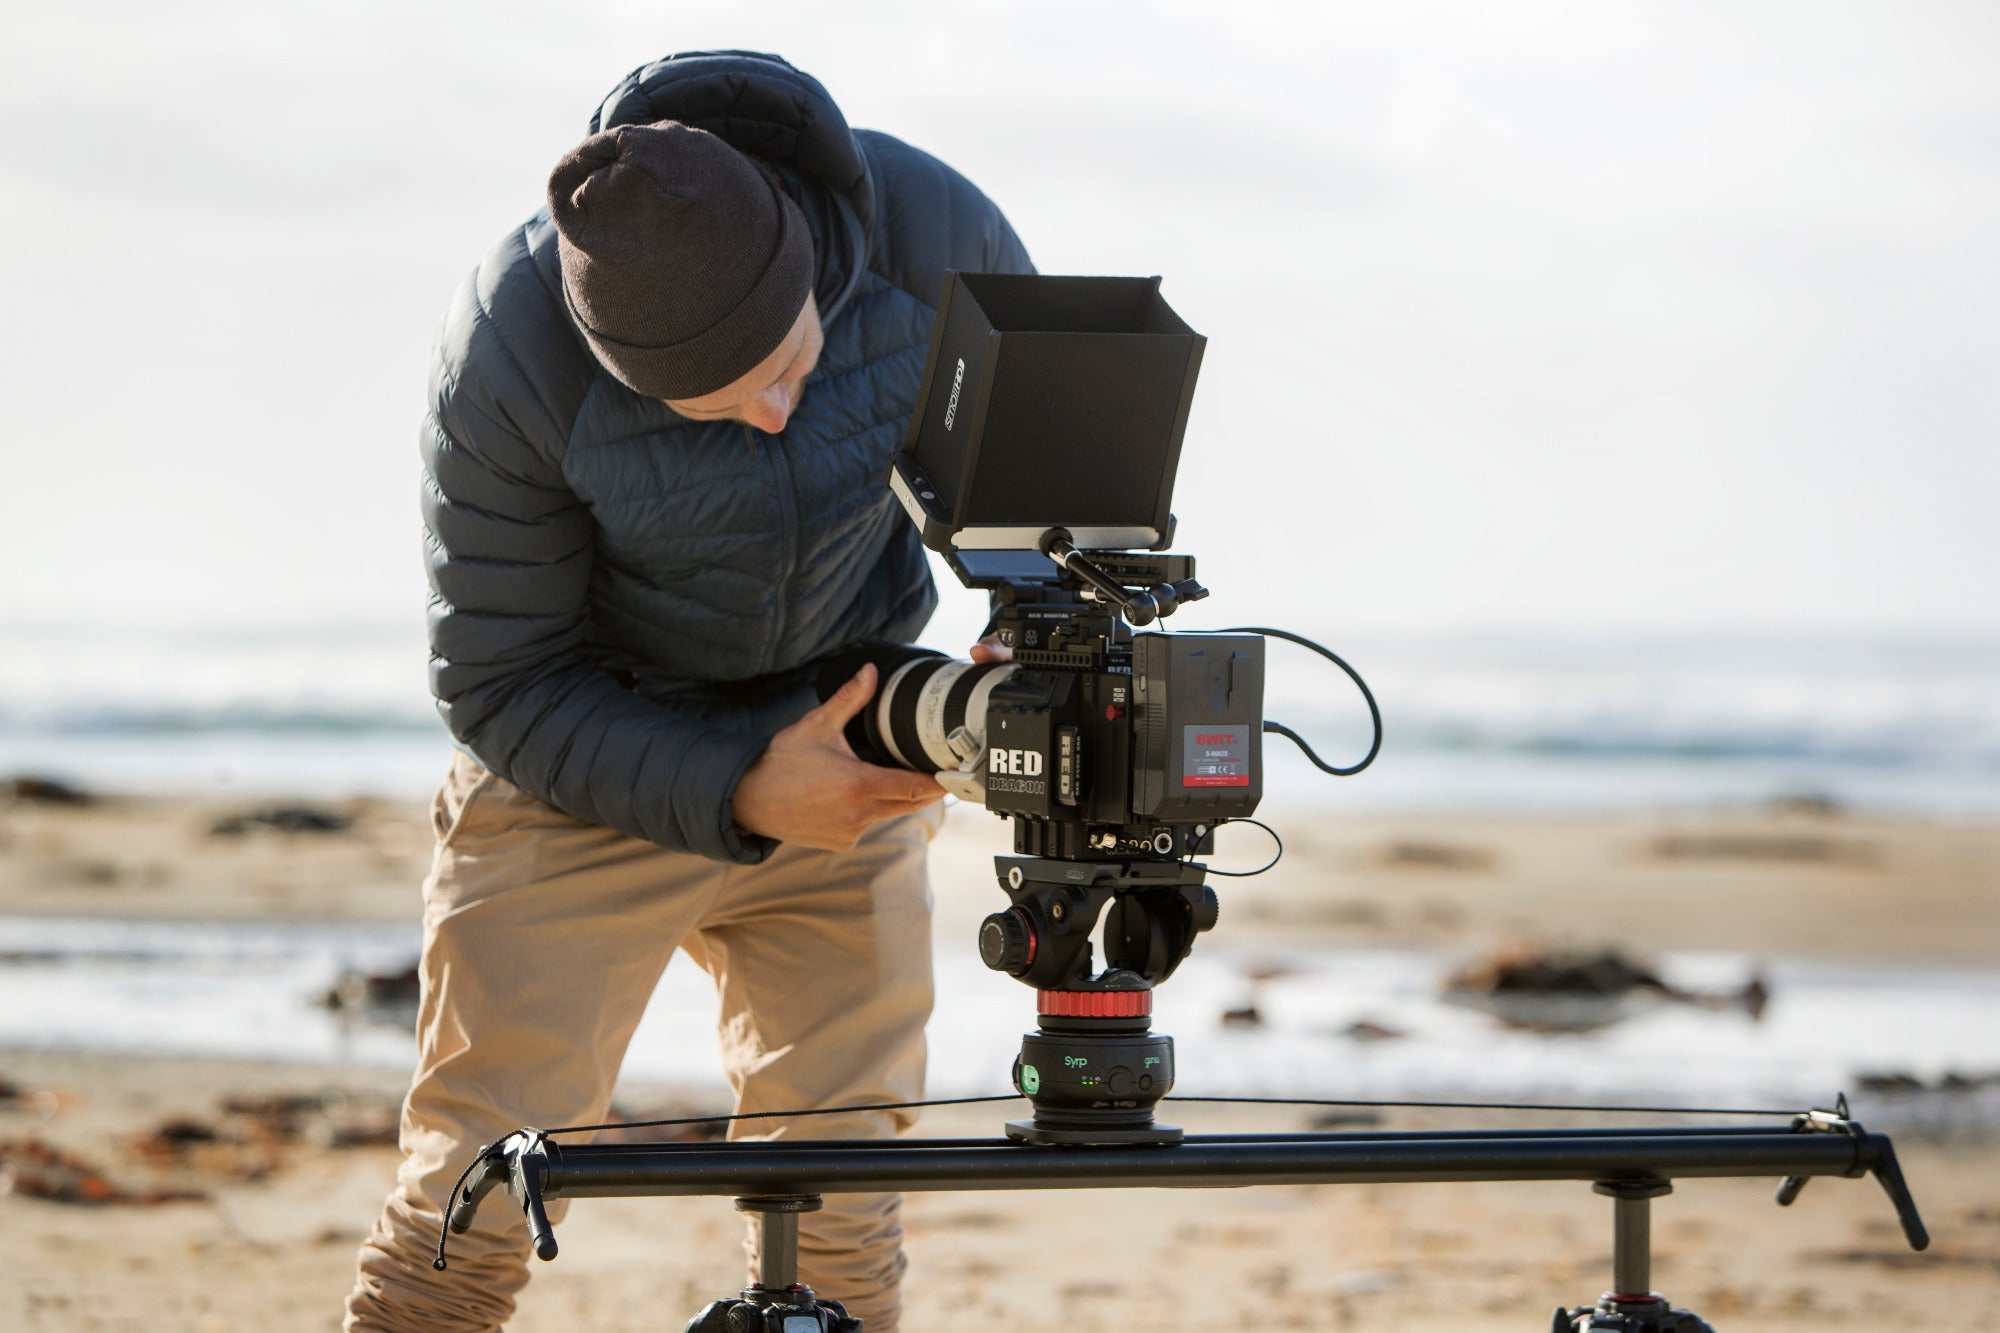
(510,549)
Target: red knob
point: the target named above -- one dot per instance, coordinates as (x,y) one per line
(1094,1003)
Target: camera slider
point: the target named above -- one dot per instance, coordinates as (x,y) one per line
(784,1178)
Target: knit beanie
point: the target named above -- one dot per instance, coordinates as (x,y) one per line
(683,263)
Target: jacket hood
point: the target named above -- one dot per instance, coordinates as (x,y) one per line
(760,105)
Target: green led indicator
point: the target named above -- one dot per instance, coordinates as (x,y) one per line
(1031,1080)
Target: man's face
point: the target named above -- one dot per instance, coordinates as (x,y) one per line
(767,395)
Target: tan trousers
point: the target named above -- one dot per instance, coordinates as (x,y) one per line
(543,939)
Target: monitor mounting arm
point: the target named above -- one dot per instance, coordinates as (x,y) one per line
(1140,607)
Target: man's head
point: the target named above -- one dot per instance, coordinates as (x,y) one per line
(688,271)
(767,394)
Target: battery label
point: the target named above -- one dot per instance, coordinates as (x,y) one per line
(1215,756)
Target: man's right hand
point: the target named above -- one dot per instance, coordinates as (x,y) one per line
(808,788)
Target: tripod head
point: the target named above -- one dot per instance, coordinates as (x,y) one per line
(1093,1070)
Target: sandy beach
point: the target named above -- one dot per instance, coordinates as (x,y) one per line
(287,1187)
(1593,404)
(1800,880)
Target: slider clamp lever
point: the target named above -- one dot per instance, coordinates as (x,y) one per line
(1873,1157)
(530,1176)
(521,1163)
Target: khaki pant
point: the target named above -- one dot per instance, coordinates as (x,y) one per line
(543,939)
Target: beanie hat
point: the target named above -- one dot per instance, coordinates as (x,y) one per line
(683,263)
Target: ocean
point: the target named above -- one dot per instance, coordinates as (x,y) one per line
(251,990)
(1475,722)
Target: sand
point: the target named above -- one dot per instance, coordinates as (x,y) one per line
(1801,883)
(270,1248)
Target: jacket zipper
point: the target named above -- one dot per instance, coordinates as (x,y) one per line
(778,459)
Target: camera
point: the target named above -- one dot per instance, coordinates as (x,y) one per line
(1059,425)
(1098,742)
(1040,465)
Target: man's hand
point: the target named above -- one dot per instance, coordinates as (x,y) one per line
(808,788)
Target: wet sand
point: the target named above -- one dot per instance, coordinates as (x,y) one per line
(270,1248)
(1807,884)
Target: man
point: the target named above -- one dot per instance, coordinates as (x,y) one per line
(662,415)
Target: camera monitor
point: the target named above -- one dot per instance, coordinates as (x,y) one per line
(1048,402)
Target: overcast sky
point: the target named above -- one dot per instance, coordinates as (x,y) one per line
(1565,314)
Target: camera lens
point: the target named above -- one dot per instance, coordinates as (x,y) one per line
(929,711)
(927,703)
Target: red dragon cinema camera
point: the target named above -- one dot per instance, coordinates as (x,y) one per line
(1040,464)
(1046,436)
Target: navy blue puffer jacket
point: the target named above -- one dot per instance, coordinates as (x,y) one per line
(627,604)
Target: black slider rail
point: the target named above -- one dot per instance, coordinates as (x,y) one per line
(534,1168)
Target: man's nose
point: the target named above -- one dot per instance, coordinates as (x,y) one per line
(769,410)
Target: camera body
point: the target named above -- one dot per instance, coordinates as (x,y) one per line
(1099,743)
(1039,464)
(1104,743)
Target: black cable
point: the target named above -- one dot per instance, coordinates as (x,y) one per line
(1245,874)
(1374,713)
(1281,729)
(1489,1106)
(781,1115)
(493,1149)
(451,1200)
